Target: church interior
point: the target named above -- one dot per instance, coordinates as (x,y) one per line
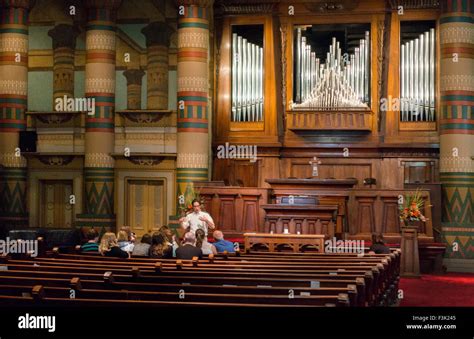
(306,131)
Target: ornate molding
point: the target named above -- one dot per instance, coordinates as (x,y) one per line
(331,6)
(414,4)
(144,116)
(53,117)
(56,160)
(145,161)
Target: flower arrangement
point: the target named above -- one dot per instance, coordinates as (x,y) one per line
(185,200)
(410,208)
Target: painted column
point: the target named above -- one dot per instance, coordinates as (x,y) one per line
(99,136)
(457,127)
(13,102)
(134,88)
(193,87)
(64,44)
(157,42)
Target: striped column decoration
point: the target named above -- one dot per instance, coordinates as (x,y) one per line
(457,127)
(64,44)
(134,88)
(157,41)
(13,101)
(99,136)
(193,86)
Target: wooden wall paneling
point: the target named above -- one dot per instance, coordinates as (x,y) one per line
(226,213)
(239,213)
(215,208)
(365,214)
(244,173)
(250,220)
(390,220)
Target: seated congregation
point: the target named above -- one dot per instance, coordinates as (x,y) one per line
(162,270)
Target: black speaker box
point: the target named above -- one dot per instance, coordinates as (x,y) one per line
(28,141)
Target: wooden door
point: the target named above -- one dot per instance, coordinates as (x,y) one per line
(146,205)
(55,208)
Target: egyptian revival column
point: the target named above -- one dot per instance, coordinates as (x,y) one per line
(134,88)
(13,101)
(193,85)
(457,128)
(64,44)
(99,136)
(157,42)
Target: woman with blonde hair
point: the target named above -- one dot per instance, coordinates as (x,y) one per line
(108,246)
(202,243)
(123,241)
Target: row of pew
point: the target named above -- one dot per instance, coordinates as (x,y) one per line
(253,279)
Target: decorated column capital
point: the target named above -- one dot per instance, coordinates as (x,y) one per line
(134,76)
(64,35)
(157,33)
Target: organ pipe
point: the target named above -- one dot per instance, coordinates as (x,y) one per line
(417,78)
(338,82)
(247,80)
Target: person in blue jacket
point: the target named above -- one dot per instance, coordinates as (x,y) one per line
(222,244)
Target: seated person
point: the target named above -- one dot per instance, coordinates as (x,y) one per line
(123,242)
(143,247)
(378,245)
(221,244)
(91,245)
(109,247)
(170,237)
(131,235)
(188,250)
(201,242)
(160,247)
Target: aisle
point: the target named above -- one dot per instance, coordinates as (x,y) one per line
(450,289)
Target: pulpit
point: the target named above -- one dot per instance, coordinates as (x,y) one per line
(328,192)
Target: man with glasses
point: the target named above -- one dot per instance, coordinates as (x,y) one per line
(197,219)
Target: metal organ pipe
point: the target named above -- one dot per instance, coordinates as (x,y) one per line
(247,80)
(417,78)
(336,83)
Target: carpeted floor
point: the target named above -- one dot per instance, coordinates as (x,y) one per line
(450,289)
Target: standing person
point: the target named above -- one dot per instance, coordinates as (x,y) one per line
(202,243)
(109,247)
(188,250)
(197,219)
(221,244)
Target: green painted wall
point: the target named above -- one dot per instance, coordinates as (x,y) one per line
(40,91)
(38,37)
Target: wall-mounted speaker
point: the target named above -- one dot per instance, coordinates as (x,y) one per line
(28,141)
